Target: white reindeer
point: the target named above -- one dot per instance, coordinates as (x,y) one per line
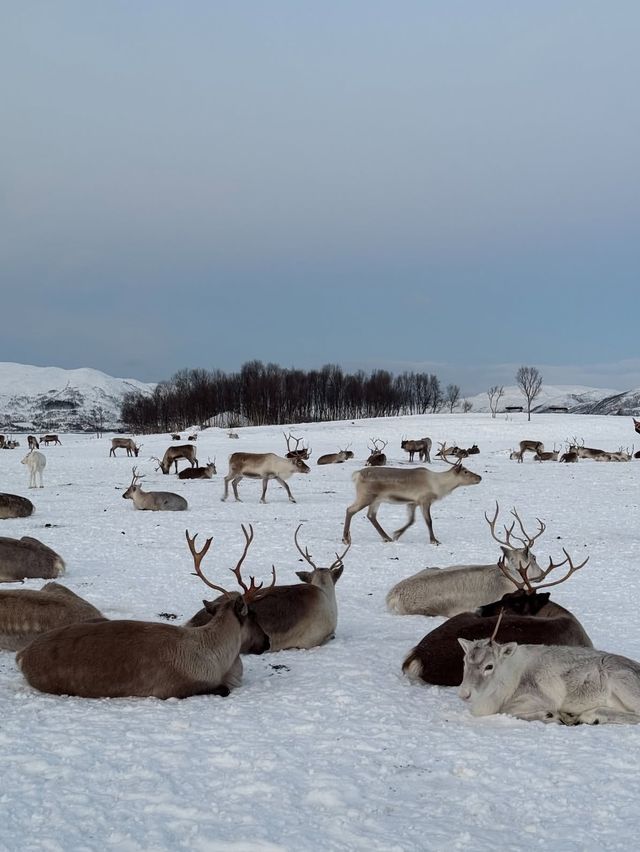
(549,683)
(36,462)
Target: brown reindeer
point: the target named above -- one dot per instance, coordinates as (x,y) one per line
(528,447)
(127,444)
(636,425)
(297,452)
(33,443)
(524,616)
(206,472)
(302,615)
(376,456)
(412,486)
(335,458)
(112,659)
(422,446)
(174,454)
(28,558)
(27,613)
(50,439)
(264,466)
(14,506)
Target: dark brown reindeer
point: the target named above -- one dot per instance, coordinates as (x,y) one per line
(206,472)
(127,444)
(50,439)
(377,457)
(27,613)
(297,452)
(14,506)
(422,446)
(525,616)
(28,558)
(112,659)
(174,454)
(636,425)
(302,615)
(264,466)
(412,486)
(33,443)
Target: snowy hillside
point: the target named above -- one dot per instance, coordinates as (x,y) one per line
(571,397)
(41,398)
(331,748)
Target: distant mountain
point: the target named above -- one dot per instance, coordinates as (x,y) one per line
(50,398)
(575,399)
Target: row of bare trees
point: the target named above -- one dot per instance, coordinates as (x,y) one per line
(263,394)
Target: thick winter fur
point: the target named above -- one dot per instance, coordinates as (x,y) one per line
(127,444)
(412,486)
(298,616)
(438,657)
(173,454)
(550,683)
(264,466)
(36,462)
(27,558)
(155,501)
(113,659)
(14,506)
(27,613)
(205,472)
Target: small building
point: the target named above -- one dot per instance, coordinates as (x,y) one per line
(558,409)
(512,408)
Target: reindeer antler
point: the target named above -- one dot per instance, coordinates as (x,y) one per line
(495,629)
(198,556)
(552,566)
(308,558)
(251,591)
(136,476)
(530,540)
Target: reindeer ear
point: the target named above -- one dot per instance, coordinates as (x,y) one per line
(505,550)
(465,644)
(336,573)
(508,649)
(305,576)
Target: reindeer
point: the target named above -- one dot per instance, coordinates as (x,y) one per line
(28,558)
(335,458)
(173,454)
(422,446)
(50,439)
(412,486)
(570,457)
(2,442)
(620,456)
(233,435)
(549,683)
(302,615)
(526,615)
(192,438)
(36,462)
(264,466)
(112,659)
(547,456)
(460,588)
(13,506)
(153,501)
(176,437)
(127,444)
(32,441)
(376,458)
(534,447)
(297,452)
(27,613)
(636,425)
(205,472)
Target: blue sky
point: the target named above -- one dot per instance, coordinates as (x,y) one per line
(443,186)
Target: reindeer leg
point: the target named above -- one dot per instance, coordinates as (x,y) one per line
(286,488)
(234,485)
(372,516)
(426,512)
(353,509)
(226,488)
(265,482)
(411,516)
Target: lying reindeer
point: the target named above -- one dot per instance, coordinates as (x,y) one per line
(27,613)
(205,472)
(112,659)
(302,615)
(28,558)
(525,615)
(377,458)
(460,588)
(335,458)
(14,506)
(153,501)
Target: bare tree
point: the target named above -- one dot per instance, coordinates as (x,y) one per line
(495,394)
(96,416)
(467,405)
(452,396)
(529,381)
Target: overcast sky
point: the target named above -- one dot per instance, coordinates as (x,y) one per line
(449,186)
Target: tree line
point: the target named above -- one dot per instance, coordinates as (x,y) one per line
(262,394)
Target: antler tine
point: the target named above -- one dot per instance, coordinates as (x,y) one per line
(530,540)
(339,557)
(248,537)
(502,566)
(198,556)
(495,629)
(136,475)
(492,525)
(572,569)
(304,553)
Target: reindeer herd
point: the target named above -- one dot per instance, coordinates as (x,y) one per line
(505,645)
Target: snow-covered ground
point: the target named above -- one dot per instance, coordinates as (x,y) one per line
(331,748)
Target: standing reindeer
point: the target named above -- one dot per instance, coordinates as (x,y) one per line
(36,462)
(422,446)
(50,439)
(32,441)
(264,466)
(112,659)
(412,486)
(173,454)
(127,444)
